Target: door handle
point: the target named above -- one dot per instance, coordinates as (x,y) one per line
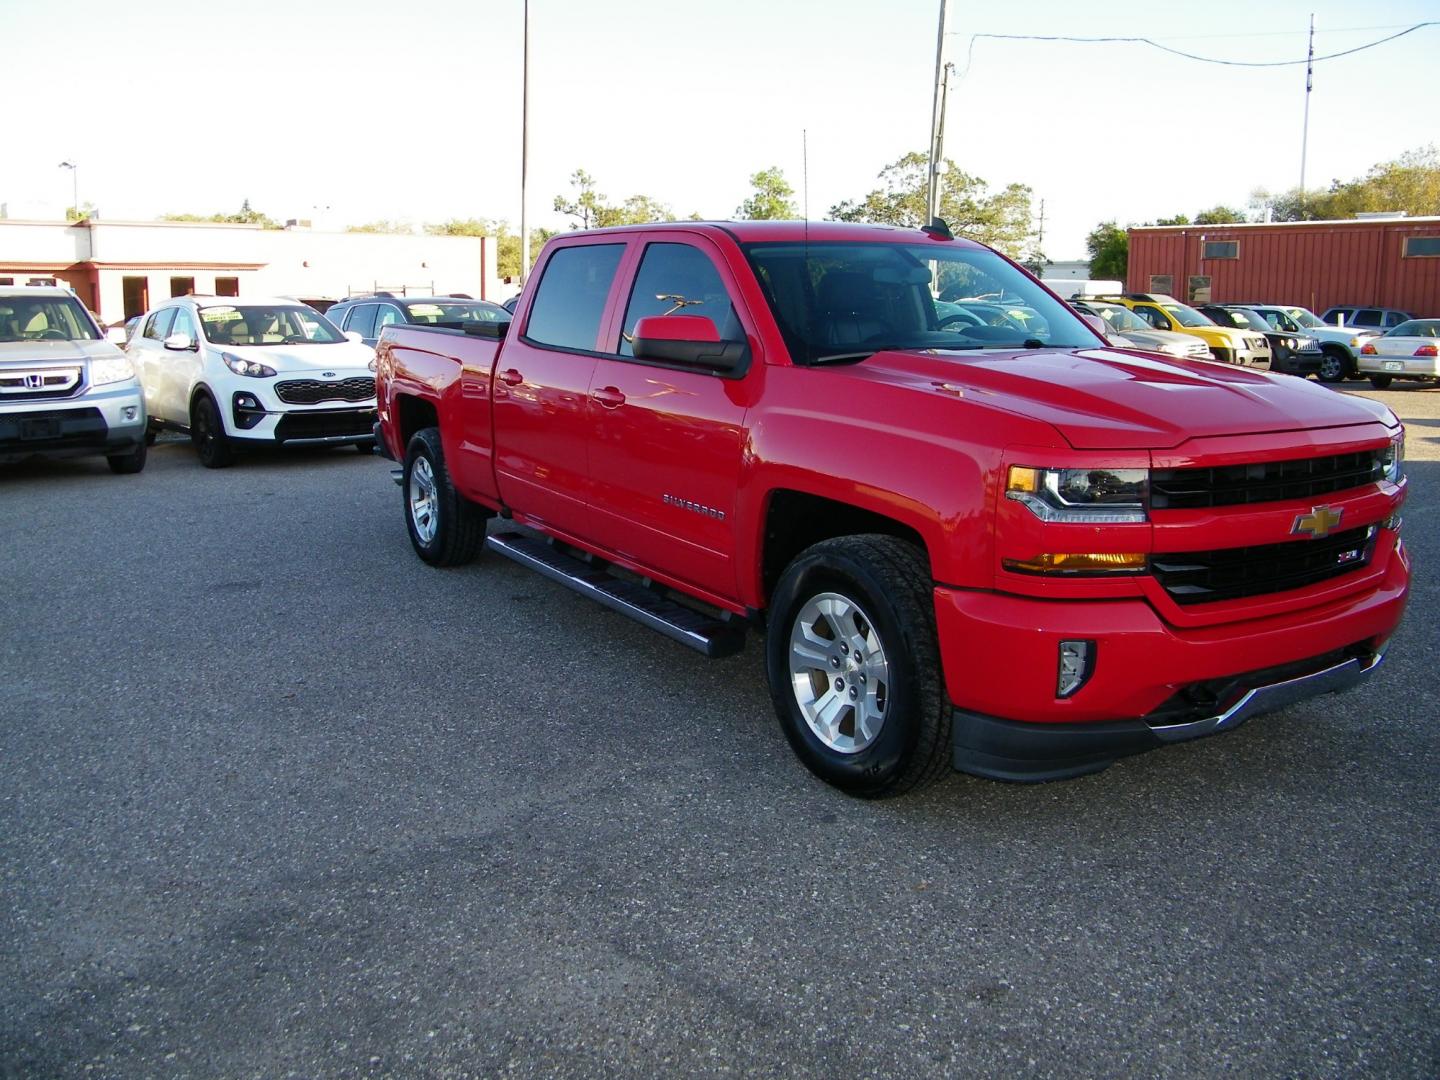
(511,377)
(609,397)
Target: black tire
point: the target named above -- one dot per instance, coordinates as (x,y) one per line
(888,580)
(454,528)
(1335,366)
(151,433)
(207,433)
(1380,382)
(126,464)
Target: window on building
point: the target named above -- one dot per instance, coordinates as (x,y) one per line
(7,281)
(1162,283)
(1198,287)
(1421,247)
(570,299)
(227,286)
(182,286)
(136,291)
(1222,249)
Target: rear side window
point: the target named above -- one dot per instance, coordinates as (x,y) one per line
(570,300)
(157,327)
(677,279)
(389,315)
(362,320)
(1366,317)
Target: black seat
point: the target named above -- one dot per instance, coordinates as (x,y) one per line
(850,309)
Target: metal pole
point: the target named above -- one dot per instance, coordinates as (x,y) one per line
(1305,129)
(937,123)
(525,149)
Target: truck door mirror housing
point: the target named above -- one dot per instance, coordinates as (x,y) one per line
(180,342)
(691,340)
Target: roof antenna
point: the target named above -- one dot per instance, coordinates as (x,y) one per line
(937,230)
(805,187)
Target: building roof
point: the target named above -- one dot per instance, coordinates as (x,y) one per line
(1361,222)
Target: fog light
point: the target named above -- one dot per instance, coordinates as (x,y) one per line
(1077,664)
(130,411)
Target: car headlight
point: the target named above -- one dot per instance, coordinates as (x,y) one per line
(1080,496)
(241,366)
(110,369)
(1393,458)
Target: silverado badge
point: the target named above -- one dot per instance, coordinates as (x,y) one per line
(1318,522)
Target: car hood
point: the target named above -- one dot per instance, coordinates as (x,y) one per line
(1161,339)
(341,356)
(1338,333)
(1106,399)
(55,352)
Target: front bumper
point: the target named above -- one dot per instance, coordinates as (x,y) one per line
(110,420)
(1299,363)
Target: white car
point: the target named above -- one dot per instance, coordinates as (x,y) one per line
(238,373)
(1409,351)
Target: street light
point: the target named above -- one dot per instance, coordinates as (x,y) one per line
(75,184)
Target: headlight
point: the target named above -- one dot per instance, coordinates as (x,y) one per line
(1393,457)
(1081,496)
(108,369)
(241,366)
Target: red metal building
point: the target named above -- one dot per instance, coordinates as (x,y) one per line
(1392,262)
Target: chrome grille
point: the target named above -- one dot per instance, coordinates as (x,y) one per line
(313,391)
(29,384)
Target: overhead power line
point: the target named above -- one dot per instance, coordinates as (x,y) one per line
(1193,56)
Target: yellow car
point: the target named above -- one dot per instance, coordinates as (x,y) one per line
(1228,345)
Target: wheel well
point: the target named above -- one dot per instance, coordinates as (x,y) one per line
(412,414)
(795,520)
(201,390)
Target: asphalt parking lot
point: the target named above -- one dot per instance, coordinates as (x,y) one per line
(276,799)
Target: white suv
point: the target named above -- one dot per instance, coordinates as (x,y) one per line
(245,372)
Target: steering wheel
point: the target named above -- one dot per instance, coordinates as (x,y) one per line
(52,335)
(949,320)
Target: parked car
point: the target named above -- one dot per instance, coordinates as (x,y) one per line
(1227,344)
(368,315)
(1338,347)
(1409,351)
(510,305)
(1367,318)
(1127,330)
(64,389)
(1289,354)
(237,373)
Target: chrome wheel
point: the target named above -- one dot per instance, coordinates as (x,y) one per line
(424,508)
(1332,367)
(839,672)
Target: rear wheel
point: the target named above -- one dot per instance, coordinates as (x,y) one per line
(207,433)
(132,462)
(446,529)
(1380,382)
(854,665)
(1335,366)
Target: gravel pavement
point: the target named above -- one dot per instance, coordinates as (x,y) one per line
(276,799)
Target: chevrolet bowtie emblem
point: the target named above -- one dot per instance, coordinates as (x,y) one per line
(1318,522)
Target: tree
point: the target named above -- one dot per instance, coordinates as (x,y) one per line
(592,211)
(244,216)
(507,246)
(1002,219)
(771,199)
(384,225)
(1219,215)
(1409,184)
(586,205)
(1178,219)
(1109,247)
(79,213)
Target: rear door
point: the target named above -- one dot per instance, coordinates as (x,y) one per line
(147,353)
(540,396)
(182,366)
(666,442)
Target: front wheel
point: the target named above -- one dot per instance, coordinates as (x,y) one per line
(124,464)
(446,529)
(1334,366)
(854,665)
(207,433)
(1380,382)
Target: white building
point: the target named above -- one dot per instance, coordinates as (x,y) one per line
(122,268)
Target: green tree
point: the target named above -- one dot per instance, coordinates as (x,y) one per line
(384,225)
(1109,247)
(592,210)
(1001,219)
(1219,215)
(1410,183)
(79,213)
(246,215)
(587,203)
(1178,219)
(771,200)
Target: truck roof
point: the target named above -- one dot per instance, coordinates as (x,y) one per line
(749,232)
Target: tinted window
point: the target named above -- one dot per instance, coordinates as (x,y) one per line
(389,316)
(1394,318)
(571,298)
(362,320)
(675,279)
(1366,317)
(157,327)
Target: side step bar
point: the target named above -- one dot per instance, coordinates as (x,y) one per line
(700,632)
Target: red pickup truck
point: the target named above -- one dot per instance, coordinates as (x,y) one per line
(972,533)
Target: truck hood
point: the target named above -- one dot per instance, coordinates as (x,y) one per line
(1341,334)
(54,352)
(1105,399)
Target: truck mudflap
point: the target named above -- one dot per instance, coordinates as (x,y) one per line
(999,749)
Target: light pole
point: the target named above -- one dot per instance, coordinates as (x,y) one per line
(74,185)
(937,126)
(524,148)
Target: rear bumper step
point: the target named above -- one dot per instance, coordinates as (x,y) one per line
(710,636)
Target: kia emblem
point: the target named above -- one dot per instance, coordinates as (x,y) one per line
(328,374)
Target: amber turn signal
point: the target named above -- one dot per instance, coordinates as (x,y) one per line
(1101,562)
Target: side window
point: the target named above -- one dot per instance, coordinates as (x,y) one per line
(157,327)
(389,316)
(362,320)
(570,300)
(1394,318)
(679,279)
(183,324)
(1366,317)
(1154,316)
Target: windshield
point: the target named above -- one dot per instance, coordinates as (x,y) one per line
(1187,316)
(454,313)
(837,300)
(44,318)
(1120,319)
(266,324)
(1244,317)
(1303,317)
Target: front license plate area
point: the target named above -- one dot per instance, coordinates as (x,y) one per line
(43,428)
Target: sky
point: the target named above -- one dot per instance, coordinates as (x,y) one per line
(346,113)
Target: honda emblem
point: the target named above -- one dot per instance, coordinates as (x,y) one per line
(34,382)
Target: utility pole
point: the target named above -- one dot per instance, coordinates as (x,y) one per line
(1305,130)
(937,125)
(524,150)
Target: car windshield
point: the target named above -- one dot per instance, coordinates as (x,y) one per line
(267,324)
(1417,328)
(836,300)
(1120,319)
(455,313)
(1246,318)
(44,318)
(1305,318)
(1187,316)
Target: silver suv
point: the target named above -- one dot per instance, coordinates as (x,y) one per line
(64,389)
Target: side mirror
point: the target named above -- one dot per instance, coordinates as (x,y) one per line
(353,335)
(1096,323)
(688,339)
(180,342)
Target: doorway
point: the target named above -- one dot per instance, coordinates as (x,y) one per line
(137,296)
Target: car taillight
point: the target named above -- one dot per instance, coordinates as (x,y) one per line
(1368,350)
(1425,350)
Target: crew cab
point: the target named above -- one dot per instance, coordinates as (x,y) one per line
(1012,550)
